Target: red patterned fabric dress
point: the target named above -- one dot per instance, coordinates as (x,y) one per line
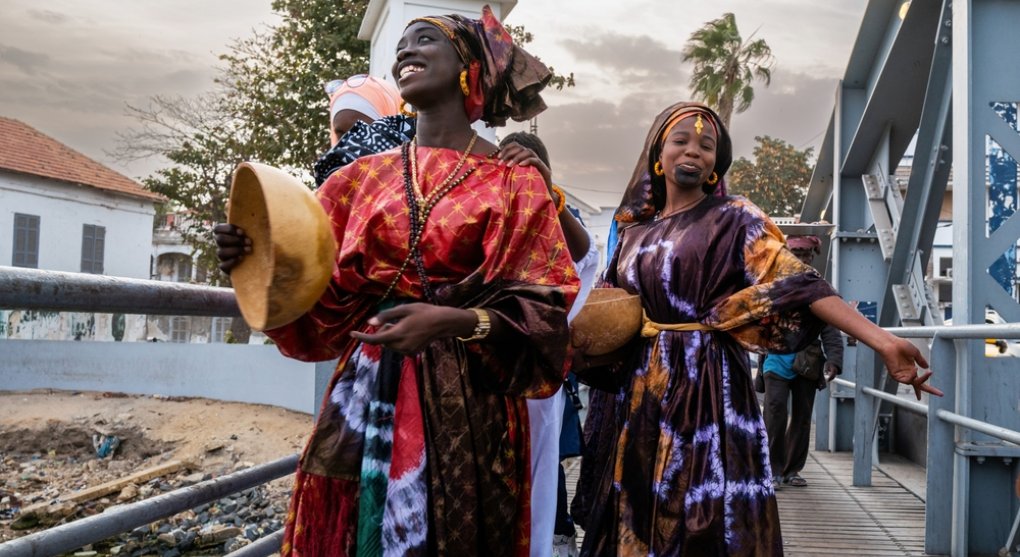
(429,454)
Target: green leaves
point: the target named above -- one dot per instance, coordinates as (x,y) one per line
(269,106)
(776,180)
(725,66)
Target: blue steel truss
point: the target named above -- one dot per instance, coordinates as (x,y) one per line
(948,74)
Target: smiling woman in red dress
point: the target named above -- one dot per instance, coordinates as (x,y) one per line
(446,308)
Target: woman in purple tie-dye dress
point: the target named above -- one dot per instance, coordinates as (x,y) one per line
(678,455)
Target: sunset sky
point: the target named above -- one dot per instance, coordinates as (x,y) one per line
(69,68)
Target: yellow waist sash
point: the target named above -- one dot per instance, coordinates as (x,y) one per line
(650,328)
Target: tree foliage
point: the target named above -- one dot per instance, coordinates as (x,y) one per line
(269,106)
(776,180)
(726,66)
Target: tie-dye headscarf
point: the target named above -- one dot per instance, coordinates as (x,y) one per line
(646,192)
(371,96)
(504,80)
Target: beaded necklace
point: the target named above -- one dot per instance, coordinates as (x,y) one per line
(420,198)
(420,208)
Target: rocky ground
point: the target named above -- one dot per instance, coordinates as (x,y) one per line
(50,472)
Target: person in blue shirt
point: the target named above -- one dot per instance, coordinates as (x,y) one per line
(793,379)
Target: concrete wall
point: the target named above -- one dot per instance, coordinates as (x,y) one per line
(243,373)
(63,209)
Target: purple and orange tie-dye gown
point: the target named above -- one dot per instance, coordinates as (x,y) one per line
(678,457)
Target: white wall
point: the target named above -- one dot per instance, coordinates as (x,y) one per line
(256,374)
(63,209)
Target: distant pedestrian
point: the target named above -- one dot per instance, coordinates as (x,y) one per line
(793,379)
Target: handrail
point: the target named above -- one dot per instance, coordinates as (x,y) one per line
(1002,433)
(266,545)
(122,518)
(915,407)
(37,289)
(982,331)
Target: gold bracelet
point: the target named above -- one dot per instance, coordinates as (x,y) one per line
(482,328)
(562,203)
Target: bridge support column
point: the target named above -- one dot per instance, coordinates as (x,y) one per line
(986,88)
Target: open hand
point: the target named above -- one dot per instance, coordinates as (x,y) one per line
(232,244)
(409,328)
(902,360)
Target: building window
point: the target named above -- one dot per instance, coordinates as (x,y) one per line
(183,269)
(26,241)
(93,240)
(945,266)
(180,329)
(220,326)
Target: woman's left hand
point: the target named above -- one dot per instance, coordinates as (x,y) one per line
(411,327)
(902,360)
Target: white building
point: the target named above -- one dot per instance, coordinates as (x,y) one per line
(62,211)
(597,208)
(65,211)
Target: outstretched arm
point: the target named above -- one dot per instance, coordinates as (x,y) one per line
(901,357)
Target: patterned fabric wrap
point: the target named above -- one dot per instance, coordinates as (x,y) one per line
(505,81)
(676,459)
(362,140)
(429,454)
(646,192)
(371,96)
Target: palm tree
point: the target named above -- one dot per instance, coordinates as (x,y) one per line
(725,66)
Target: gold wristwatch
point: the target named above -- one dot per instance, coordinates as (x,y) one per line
(482,328)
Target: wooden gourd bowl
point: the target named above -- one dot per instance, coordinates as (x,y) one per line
(609,319)
(293,248)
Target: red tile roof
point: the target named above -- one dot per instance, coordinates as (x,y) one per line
(24,149)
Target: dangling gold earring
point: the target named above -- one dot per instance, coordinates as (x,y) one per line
(406,112)
(713,179)
(658,168)
(464,88)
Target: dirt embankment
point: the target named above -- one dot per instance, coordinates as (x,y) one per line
(49,442)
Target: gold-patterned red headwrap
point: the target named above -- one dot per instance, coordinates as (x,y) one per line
(504,80)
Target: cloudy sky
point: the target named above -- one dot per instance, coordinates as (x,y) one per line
(69,68)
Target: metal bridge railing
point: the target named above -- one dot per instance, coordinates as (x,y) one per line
(33,289)
(948,482)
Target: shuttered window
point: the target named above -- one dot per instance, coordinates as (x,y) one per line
(26,241)
(93,241)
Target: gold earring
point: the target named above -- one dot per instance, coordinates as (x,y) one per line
(658,168)
(464,84)
(713,179)
(406,112)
